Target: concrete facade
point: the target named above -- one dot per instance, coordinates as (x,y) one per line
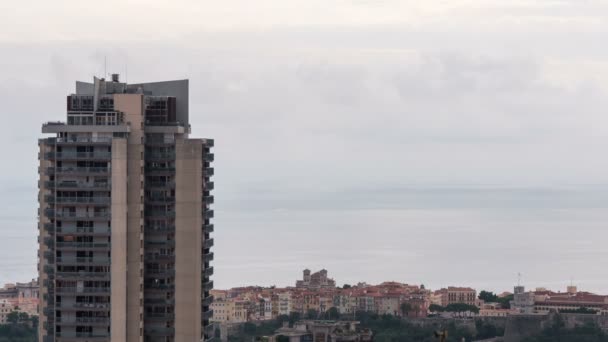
(124,218)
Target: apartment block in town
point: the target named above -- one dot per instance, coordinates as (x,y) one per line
(124,217)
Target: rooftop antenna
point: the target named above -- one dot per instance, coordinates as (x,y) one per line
(105,66)
(518,279)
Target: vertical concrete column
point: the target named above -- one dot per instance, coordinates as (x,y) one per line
(118,254)
(42,248)
(188,239)
(133,108)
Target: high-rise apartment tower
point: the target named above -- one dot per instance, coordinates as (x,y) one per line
(124,217)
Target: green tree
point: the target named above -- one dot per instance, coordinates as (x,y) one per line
(333,313)
(346,286)
(436,308)
(13,317)
(487,296)
(406,308)
(312,314)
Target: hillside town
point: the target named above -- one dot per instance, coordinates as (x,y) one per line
(317,296)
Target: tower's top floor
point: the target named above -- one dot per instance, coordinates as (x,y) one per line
(93,104)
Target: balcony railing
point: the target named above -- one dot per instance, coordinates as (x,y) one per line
(73,170)
(78,185)
(160,156)
(81,215)
(168,184)
(208,257)
(81,274)
(160,315)
(83,244)
(208,272)
(208,243)
(208,157)
(209,186)
(160,213)
(208,286)
(78,155)
(83,289)
(208,199)
(88,200)
(88,335)
(208,228)
(208,214)
(153,331)
(84,260)
(76,140)
(84,230)
(208,172)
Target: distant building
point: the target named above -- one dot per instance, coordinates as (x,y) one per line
(547,301)
(317,280)
(453,295)
(523,302)
(23,296)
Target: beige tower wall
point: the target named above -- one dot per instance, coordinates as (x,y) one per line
(188,239)
(42,219)
(132,106)
(118,267)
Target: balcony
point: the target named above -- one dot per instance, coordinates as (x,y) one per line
(159,230)
(208,286)
(159,287)
(101,261)
(82,274)
(164,185)
(160,273)
(208,243)
(208,142)
(208,228)
(208,257)
(160,213)
(208,172)
(85,335)
(153,331)
(208,272)
(160,156)
(49,241)
(209,186)
(82,215)
(83,245)
(93,321)
(78,155)
(80,290)
(159,301)
(160,316)
(98,231)
(162,243)
(207,315)
(207,214)
(155,169)
(83,200)
(208,199)
(49,227)
(208,157)
(160,258)
(81,170)
(160,199)
(78,185)
(84,140)
(207,301)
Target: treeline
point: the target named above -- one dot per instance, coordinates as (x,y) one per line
(557,331)
(19,327)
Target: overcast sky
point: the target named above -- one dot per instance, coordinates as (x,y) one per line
(328,110)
